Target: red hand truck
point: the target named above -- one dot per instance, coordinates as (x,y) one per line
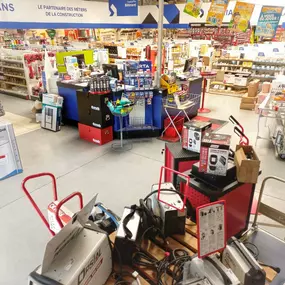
(55,198)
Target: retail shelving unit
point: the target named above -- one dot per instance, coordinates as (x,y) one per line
(237,73)
(14,74)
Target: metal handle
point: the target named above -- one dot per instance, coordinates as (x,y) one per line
(242,136)
(63,201)
(236,122)
(33,201)
(254,224)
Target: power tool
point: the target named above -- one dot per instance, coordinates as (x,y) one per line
(237,257)
(211,269)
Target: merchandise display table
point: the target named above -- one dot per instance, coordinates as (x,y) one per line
(157,250)
(68,92)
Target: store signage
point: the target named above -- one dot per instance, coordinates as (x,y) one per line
(123,8)
(268,21)
(217,12)
(193,8)
(241,17)
(8,7)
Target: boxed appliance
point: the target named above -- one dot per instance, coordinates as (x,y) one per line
(52,100)
(247,164)
(192,134)
(51,118)
(10,161)
(214,154)
(95,135)
(229,79)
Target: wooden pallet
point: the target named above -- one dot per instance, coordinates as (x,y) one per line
(157,251)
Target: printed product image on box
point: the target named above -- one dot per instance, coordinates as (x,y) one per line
(193,133)
(214,154)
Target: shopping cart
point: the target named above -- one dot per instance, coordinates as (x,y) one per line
(55,198)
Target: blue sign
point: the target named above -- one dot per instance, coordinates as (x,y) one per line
(145,65)
(268,21)
(261,54)
(123,7)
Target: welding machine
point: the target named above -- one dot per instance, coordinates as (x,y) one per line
(173,220)
(205,188)
(79,254)
(237,257)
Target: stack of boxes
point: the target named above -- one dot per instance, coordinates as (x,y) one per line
(248,101)
(95,119)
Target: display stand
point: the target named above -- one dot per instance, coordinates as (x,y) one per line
(206,75)
(123,145)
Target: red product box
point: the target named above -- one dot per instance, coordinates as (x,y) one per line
(95,135)
(214,154)
(193,133)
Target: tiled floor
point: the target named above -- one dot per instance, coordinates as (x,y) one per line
(119,178)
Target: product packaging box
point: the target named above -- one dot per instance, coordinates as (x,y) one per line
(51,118)
(193,133)
(247,164)
(65,216)
(10,161)
(253,87)
(214,154)
(240,81)
(52,100)
(229,79)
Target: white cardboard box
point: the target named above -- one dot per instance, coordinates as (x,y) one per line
(10,161)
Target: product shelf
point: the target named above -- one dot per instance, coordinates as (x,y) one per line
(16,76)
(12,67)
(16,84)
(14,92)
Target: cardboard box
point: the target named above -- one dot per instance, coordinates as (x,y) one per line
(248,100)
(214,154)
(64,215)
(51,118)
(247,164)
(247,106)
(52,100)
(240,81)
(192,134)
(10,161)
(220,76)
(253,87)
(229,79)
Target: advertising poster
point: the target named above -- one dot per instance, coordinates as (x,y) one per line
(241,17)
(268,21)
(193,8)
(123,8)
(217,12)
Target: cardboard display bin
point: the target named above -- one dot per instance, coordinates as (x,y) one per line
(247,164)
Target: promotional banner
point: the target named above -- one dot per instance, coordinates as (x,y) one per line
(193,8)
(217,12)
(268,21)
(123,7)
(241,17)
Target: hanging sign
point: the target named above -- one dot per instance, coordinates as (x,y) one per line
(217,12)
(268,21)
(123,7)
(241,17)
(193,8)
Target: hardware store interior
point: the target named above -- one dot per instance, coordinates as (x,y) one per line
(144,145)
